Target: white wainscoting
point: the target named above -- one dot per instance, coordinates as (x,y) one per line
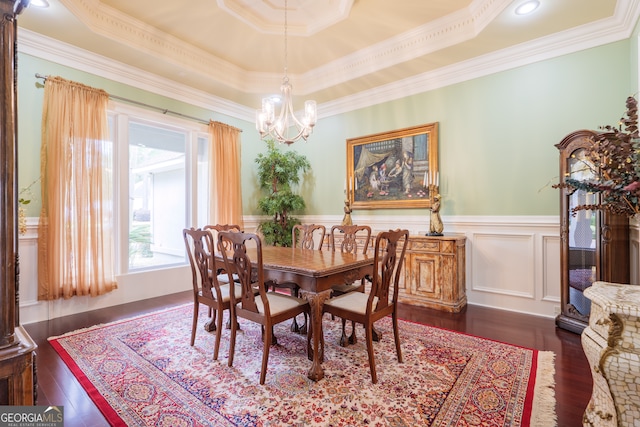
(512,263)
(131,287)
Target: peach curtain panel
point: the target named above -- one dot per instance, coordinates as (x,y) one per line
(226,198)
(75,235)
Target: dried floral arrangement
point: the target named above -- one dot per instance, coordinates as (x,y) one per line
(613,160)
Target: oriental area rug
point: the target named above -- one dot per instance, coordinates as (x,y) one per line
(143,372)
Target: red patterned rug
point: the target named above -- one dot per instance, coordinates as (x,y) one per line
(142,372)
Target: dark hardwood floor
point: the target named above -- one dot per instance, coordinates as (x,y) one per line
(57,386)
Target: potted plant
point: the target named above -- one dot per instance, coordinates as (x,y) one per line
(613,161)
(277,172)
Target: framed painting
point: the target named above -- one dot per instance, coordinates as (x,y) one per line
(397,169)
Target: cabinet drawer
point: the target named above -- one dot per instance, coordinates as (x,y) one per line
(599,320)
(423,246)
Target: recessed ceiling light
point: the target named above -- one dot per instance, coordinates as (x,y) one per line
(39,3)
(527,7)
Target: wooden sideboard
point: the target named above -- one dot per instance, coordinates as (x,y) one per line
(434,273)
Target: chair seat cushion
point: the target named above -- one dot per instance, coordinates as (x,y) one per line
(224,290)
(279,303)
(224,278)
(353,301)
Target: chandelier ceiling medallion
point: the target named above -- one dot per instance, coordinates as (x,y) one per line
(286,128)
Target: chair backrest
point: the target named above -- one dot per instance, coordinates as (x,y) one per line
(305,236)
(222,227)
(355,238)
(200,249)
(214,229)
(390,247)
(249,272)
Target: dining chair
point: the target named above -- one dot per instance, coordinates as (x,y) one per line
(214,229)
(352,239)
(207,289)
(382,299)
(262,307)
(308,237)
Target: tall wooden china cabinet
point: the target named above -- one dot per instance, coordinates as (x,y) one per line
(17,350)
(594,245)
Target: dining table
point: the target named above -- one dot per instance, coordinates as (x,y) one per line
(315,271)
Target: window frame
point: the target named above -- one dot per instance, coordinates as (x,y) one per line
(120,115)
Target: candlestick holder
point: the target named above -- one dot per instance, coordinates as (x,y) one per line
(435,222)
(346,219)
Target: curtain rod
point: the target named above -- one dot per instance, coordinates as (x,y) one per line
(142,104)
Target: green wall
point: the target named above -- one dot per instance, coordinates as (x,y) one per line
(497,133)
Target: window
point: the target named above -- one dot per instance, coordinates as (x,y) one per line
(157,184)
(161,186)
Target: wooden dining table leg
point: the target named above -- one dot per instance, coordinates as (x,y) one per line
(316,301)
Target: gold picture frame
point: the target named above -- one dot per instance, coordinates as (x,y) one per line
(391,170)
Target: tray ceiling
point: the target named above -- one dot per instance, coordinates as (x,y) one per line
(234,49)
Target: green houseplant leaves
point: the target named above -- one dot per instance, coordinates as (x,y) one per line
(277,172)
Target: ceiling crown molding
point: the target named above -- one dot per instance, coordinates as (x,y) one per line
(447,31)
(304,17)
(57,52)
(619,27)
(432,37)
(117,26)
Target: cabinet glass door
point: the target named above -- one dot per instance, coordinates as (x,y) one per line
(582,236)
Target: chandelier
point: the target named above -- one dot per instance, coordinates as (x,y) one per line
(286,128)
